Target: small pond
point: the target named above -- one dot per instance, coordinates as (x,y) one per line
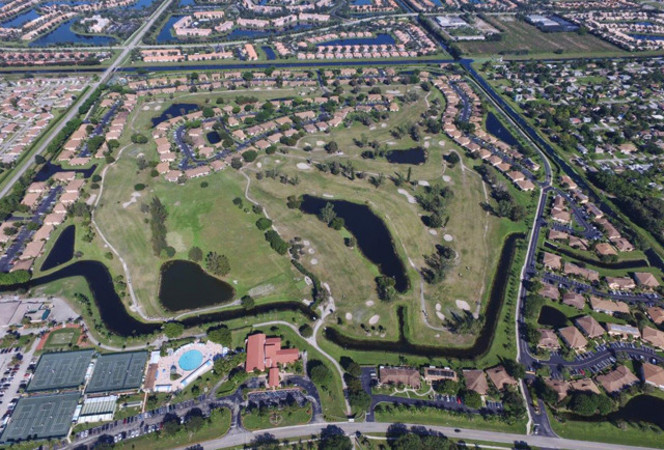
(496,128)
(552,317)
(269,52)
(213,137)
(185,285)
(373,237)
(49,169)
(175,110)
(165,35)
(415,155)
(63,249)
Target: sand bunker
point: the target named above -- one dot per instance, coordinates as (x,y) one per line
(440,315)
(447,178)
(441,143)
(410,198)
(423,183)
(314,261)
(328,195)
(448,238)
(462,304)
(433,232)
(134,197)
(303,166)
(374,319)
(369,303)
(349,316)
(438,307)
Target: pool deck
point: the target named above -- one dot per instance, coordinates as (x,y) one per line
(163,382)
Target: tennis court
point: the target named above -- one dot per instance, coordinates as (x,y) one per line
(60,370)
(118,372)
(41,417)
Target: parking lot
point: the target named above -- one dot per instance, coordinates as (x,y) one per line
(14,376)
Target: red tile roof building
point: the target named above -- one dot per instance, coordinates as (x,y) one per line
(266,353)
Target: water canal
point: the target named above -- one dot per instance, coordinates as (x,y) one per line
(405,347)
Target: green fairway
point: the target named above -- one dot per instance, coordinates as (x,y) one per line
(522,39)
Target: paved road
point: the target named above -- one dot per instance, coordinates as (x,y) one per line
(242,438)
(73,110)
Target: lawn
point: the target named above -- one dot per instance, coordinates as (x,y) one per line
(276,417)
(521,38)
(435,416)
(198,216)
(607,432)
(62,339)
(346,270)
(216,426)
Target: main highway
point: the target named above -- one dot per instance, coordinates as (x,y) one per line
(132,42)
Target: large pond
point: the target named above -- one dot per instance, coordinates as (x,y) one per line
(175,110)
(114,315)
(20,20)
(63,249)
(373,237)
(185,285)
(64,35)
(495,127)
(552,317)
(405,347)
(240,33)
(415,155)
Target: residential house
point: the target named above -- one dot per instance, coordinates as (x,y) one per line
(653,336)
(590,326)
(617,380)
(400,376)
(573,338)
(476,381)
(653,375)
(500,378)
(548,339)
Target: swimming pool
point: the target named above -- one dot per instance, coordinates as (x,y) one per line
(190,360)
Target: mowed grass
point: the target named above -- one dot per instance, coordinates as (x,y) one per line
(348,273)
(62,338)
(518,36)
(288,416)
(203,217)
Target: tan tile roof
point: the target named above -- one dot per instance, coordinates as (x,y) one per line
(476,381)
(500,378)
(617,379)
(590,326)
(573,337)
